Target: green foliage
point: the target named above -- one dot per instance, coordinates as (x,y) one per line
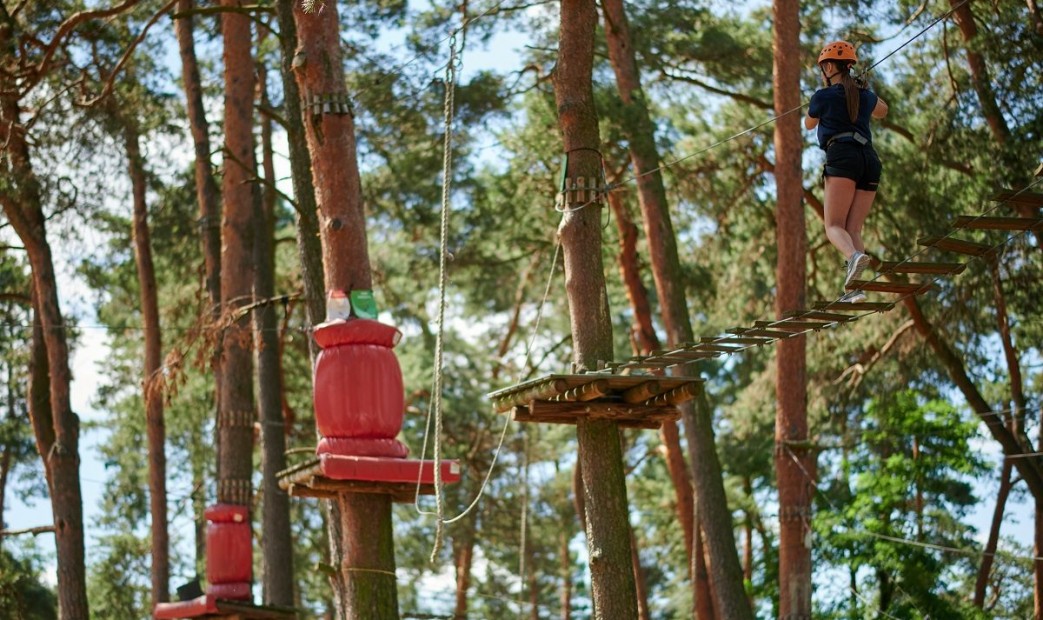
(23,593)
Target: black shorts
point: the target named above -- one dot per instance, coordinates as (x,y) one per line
(854,161)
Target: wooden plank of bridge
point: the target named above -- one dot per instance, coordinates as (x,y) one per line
(776,334)
(745,339)
(816,315)
(941,269)
(862,306)
(901,288)
(1019,199)
(959,246)
(977,222)
(792,325)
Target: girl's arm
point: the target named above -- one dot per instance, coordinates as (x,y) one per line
(811,122)
(880,109)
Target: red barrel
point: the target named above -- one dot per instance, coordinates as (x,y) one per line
(229,554)
(358,389)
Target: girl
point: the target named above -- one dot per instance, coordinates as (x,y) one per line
(841,111)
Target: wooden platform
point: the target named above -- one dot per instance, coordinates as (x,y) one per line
(207,606)
(639,401)
(325,478)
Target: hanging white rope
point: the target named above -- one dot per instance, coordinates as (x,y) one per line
(451,69)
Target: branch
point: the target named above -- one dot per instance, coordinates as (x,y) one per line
(719,91)
(35,531)
(66,28)
(247,9)
(126,55)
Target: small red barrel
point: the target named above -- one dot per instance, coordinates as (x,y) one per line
(359,399)
(229,554)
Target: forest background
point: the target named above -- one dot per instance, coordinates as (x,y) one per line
(904,464)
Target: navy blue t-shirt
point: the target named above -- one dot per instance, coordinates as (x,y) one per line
(829,106)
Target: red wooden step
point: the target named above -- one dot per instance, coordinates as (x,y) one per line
(943,269)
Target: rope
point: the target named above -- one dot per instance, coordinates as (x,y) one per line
(451,69)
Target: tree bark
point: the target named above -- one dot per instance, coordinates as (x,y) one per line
(22,203)
(367,565)
(309,247)
(795,468)
(277,542)
(566,574)
(153,394)
(600,455)
(641,584)
(644,337)
(964,16)
(726,579)
(463,557)
(235,415)
(1013,443)
(988,557)
(364,541)
(206,187)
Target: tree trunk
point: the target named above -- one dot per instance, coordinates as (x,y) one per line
(463,557)
(640,582)
(600,455)
(642,332)
(277,542)
(367,565)
(640,132)
(206,188)
(363,522)
(980,72)
(209,218)
(235,415)
(153,393)
(1013,443)
(795,468)
(21,200)
(988,557)
(309,247)
(566,574)
(644,337)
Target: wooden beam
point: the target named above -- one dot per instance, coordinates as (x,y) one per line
(862,306)
(877,286)
(976,222)
(959,246)
(642,392)
(818,315)
(1020,199)
(587,391)
(943,269)
(776,334)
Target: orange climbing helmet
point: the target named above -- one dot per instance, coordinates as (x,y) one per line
(838,50)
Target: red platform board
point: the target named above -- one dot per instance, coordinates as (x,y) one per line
(330,475)
(385,469)
(208,606)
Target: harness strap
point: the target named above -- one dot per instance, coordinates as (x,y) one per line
(854,135)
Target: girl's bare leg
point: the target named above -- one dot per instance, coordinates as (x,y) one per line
(856,217)
(839,203)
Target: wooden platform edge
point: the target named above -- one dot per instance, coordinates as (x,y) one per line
(306,480)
